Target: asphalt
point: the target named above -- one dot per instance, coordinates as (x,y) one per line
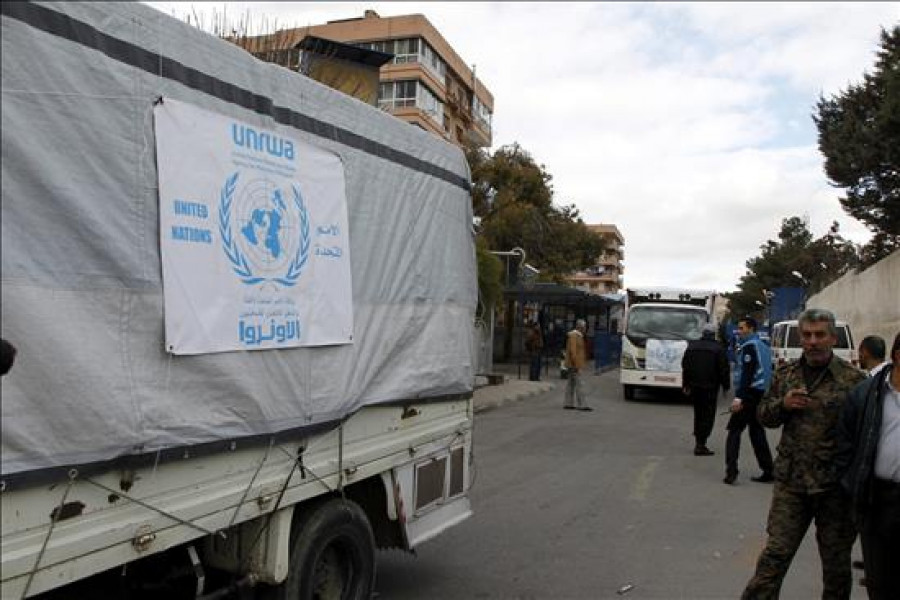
(514,386)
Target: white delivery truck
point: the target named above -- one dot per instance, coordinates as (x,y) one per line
(243,305)
(659,322)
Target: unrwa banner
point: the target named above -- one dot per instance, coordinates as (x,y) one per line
(253,236)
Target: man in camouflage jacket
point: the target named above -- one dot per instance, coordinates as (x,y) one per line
(806,398)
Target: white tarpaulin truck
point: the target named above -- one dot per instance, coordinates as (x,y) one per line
(659,322)
(243,307)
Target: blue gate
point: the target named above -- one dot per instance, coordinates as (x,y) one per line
(607,349)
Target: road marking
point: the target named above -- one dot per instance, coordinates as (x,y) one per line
(644,479)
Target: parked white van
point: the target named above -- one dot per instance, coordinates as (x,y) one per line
(787,346)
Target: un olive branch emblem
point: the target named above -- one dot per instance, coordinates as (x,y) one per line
(239,263)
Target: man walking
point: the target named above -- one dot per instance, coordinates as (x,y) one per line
(704,368)
(869,458)
(752,375)
(805,399)
(575,361)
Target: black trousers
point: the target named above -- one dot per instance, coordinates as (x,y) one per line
(534,367)
(880,539)
(704,401)
(746,419)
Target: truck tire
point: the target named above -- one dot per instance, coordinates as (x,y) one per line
(628,391)
(332,554)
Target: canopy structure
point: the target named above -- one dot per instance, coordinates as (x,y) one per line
(556,307)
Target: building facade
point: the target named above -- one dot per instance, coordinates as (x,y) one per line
(426,83)
(607,275)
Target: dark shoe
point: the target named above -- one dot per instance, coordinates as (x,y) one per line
(703,451)
(730,478)
(585,408)
(569,407)
(764,478)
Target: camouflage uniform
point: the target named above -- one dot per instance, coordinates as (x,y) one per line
(806,480)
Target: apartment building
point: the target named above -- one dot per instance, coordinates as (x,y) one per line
(425,83)
(607,275)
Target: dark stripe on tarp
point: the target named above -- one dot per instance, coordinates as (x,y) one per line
(79,32)
(141,460)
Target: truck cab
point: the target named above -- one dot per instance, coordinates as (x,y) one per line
(659,323)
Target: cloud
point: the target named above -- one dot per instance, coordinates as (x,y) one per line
(686,124)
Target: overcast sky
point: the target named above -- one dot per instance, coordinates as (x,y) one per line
(687,125)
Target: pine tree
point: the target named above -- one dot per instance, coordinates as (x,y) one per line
(859,136)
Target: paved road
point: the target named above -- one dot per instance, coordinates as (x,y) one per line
(578,505)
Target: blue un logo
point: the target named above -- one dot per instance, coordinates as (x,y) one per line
(264,235)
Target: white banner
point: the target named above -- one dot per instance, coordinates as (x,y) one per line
(253,236)
(664,355)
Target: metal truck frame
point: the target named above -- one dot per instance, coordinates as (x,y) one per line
(401,473)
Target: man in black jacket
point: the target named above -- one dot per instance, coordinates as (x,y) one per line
(704,368)
(868,456)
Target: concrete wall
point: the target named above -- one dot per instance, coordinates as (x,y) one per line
(869,301)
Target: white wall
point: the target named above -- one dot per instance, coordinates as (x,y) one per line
(869,301)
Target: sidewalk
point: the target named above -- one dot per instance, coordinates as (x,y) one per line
(487,397)
(516,385)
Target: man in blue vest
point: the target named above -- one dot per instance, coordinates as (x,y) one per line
(752,375)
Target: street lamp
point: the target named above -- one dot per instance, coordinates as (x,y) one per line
(803,279)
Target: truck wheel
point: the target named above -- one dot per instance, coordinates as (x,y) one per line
(332,554)
(628,390)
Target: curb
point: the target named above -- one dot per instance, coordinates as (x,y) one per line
(486,402)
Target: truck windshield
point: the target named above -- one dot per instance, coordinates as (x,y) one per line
(664,323)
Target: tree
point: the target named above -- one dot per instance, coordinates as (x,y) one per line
(513,197)
(817,261)
(859,136)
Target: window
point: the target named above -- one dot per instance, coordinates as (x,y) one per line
(795,340)
(406,50)
(664,323)
(793,337)
(379,46)
(428,102)
(433,62)
(410,93)
(410,50)
(396,94)
(481,112)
